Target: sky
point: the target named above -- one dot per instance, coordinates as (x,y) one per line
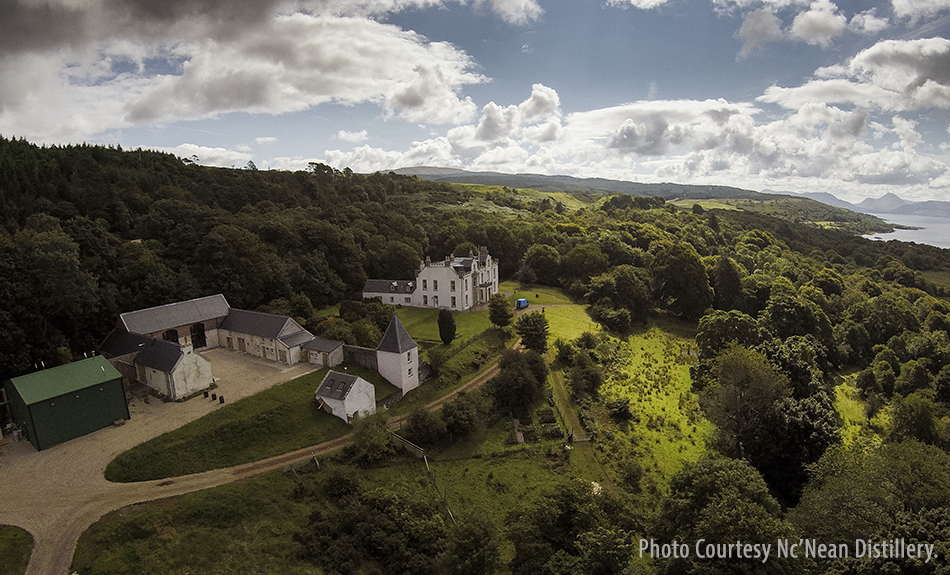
(840,96)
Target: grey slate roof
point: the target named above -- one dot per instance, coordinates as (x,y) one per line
(396,339)
(160,318)
(121,342)
(390,286)
(336,385)
(322,345)
(255,323)
(298,338)
(152,352)
(160,354)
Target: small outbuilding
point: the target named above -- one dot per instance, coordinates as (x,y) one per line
(66,402)
(521,303)
(346,396)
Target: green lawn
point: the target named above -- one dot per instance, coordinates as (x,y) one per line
(569,322)
(16,546)
(671,428)
(423,323)
(535,294)
(274,421)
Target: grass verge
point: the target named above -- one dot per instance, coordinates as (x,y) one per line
(274,421)
(16,546)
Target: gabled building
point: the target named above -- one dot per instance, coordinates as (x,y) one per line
(194,322)
(68,401)
(170,369)
(346,396)
(157,346)
(397,357)
(265,335)
(456,283)
(323,352)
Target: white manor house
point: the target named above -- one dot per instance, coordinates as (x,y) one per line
(456,283)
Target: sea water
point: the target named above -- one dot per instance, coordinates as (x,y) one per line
(934,231)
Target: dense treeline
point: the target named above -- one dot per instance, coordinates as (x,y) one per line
(89,232)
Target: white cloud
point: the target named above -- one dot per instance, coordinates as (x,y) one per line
(300,61)
(354,137)
(221,157)
(891,75)
(641,4)
(758,29)
(265,140)
(868,23)
(514,11)
(285,64)
(917,9)
(820,24)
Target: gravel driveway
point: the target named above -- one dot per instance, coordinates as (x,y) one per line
(57,493)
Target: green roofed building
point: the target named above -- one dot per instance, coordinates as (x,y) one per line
(66,402)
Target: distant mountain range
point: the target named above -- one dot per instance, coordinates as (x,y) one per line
(886,204)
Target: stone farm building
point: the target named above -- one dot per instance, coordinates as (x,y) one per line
(158,346)
(346,396)
(456,283)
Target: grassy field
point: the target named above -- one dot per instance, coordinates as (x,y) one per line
(569,322)
(671,428)
(423,323)
(706,204)
(248,527)
(277,420)
(243,527)
(536,295)
(16,546)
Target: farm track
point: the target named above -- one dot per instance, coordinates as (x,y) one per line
(58,512)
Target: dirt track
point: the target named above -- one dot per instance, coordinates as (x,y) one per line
(58,493)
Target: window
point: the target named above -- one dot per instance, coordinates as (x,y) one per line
(425,285)
(392,299)
(453,301)
(452,286)
(435,285)
(410,372)
(425,300)
(466,284)
(408,356)
(435,301)
(466,300)
(408,300)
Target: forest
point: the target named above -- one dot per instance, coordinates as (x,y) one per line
(782,314)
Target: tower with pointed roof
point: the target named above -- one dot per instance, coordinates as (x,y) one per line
(397,357)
